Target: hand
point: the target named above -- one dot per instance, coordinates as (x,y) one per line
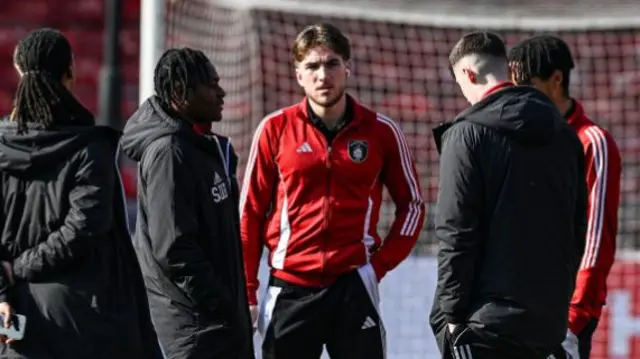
(452,327)
(254,310)
(7,312)
(7,268)
(571,345)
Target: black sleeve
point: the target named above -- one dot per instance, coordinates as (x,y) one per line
(582,200)
(172,217)
(86,224)
(458,220)
(4,287)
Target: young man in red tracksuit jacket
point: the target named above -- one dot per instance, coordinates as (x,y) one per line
(545,62)
(312,193)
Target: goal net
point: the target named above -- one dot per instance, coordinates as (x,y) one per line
(400,50)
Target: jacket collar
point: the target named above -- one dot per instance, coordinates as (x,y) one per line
(575,114)
(357,110)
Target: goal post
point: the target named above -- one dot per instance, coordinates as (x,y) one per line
(152,43)
(400,54)
(153,24)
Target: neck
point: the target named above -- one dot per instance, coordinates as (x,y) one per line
(177,111)
(330,115)
(564,105)
(491,81)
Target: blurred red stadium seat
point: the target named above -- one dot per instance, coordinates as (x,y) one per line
(26,11)
(80,11)
(131,12)
(130,44)
(85,42)
(9,37)
(129,176)
(6,98)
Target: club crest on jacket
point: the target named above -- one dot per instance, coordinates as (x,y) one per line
(358,150)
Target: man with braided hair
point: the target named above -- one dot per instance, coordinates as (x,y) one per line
(187,233)
(67,260)
(545,63)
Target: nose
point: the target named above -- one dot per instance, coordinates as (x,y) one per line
(321,73)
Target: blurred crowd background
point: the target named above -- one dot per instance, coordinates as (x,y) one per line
(400,67)
(400,50)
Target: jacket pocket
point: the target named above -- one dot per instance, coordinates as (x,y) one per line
(461,342)
(462,335)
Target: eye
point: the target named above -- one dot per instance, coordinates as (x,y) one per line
(312,66)
(333,64)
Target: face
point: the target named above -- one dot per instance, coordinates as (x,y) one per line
(206,102)
(69,80)
(323,76)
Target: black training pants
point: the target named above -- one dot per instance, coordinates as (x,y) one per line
(296,322)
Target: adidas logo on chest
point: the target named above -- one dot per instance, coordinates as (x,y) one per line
(220,190)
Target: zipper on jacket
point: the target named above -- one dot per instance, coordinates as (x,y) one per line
(327,216)
(327,201)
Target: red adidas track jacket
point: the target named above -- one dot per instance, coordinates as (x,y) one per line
(316,206)
(603,169)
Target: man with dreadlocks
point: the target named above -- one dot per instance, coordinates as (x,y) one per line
(187,234)
(545,62)
(67,258)
(510,213)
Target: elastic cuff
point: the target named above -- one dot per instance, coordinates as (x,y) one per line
(252,296)
(578,319)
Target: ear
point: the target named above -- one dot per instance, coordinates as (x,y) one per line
(470,75)
(70,71)
(556,79)
(70,75)
(348,66)
(68,79)
(299,76)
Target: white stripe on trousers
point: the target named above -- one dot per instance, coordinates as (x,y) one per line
(462,352)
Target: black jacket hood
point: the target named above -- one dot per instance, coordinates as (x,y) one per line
(151,122)
(523,113)
(39,149)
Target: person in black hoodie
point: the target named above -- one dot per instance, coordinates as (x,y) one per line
(511,214)
(68,262)
(187,235)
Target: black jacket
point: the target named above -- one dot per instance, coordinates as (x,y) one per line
(230,157)
(511,218)
(64,230)
(187,238)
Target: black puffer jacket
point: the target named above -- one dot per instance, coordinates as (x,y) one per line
(64,230)
(187,238)
(511,219)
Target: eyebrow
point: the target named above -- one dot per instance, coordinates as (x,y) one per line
(314,63)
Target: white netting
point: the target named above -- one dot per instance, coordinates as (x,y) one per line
(400,52)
